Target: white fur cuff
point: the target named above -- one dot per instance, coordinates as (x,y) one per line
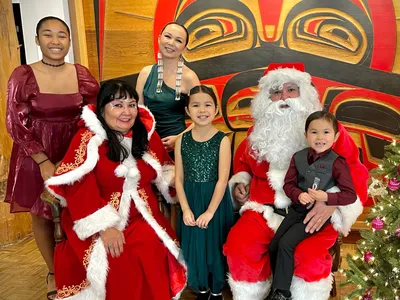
(168,172)
(105,217)
(345,216)
(276,180)
(274,220)
(243,290)
(316,290)
(240,177)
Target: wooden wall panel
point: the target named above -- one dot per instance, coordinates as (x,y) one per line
(12,226)
(78,32)
(9,60)
(128,37)
(91,43)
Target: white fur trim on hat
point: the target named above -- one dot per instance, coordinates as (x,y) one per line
(153,125)
(243,290)
(91,122)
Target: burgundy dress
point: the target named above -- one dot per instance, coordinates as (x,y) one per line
(40,122)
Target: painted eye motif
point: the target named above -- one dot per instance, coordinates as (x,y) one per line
(226,30)
(333,31)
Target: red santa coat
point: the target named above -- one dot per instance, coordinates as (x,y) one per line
(98,194)
(247,244)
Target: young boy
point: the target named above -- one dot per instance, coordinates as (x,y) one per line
(311,173)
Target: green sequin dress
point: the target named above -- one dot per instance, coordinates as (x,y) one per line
(202,248)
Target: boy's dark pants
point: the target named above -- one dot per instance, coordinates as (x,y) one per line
(281,248)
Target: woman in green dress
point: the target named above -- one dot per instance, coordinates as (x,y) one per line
(163,87)
(202,163)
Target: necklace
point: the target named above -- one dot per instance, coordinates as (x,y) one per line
(50,65)
(178,78)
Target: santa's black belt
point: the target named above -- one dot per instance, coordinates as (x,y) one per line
(280,211)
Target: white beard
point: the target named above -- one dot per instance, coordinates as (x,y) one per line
(278,132)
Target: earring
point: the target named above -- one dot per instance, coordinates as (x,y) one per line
(160,70)
(178,79)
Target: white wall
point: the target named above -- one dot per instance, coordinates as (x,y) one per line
(32,11)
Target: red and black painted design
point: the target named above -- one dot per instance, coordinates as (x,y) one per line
(348,46)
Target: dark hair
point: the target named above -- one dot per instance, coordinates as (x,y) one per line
(202,89)
(118,89)
(48,18)
(175,23)
(323,115)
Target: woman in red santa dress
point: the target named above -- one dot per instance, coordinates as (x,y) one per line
(118,244)
(278,133)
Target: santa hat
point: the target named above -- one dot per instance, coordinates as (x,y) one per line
(274,66)
(278,74)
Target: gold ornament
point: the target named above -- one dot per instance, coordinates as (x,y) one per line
(377,188)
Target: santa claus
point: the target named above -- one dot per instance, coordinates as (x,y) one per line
(279,114)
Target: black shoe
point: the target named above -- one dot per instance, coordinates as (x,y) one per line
(203,295)
(271,295)
(216,296)
(279,296)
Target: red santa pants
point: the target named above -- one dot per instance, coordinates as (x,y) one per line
(246,249)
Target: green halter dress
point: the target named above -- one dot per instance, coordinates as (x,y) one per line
(169,113)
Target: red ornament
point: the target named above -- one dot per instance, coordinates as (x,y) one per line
(367,295)
(397,232)
(367,257)
(378,224)
(393,184)
(398,169)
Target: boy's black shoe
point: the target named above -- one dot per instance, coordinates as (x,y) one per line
(278,295)
(271,295)
(216,296)
(203,295)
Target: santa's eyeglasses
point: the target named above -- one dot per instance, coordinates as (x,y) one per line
(287,90)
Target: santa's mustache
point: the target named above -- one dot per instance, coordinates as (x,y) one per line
(297,104)
(288,106)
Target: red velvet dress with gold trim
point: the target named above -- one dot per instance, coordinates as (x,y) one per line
(247,244)
(98,194)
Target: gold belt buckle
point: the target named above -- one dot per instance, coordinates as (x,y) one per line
(287,210)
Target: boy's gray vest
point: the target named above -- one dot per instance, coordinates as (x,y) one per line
(321,168)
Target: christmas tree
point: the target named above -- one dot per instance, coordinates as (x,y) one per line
(375,268)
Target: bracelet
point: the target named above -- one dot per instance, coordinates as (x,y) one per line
(43,161)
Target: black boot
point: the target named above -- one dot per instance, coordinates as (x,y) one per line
(271,295)
(216,296)
(281,295)
(203,295)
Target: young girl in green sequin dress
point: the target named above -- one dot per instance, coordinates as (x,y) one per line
(202,161)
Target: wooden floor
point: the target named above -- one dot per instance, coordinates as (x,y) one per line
(23,273)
